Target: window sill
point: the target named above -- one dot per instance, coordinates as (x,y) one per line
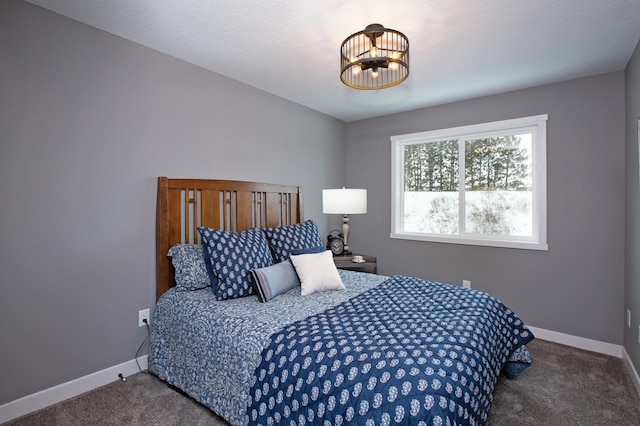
(524,245)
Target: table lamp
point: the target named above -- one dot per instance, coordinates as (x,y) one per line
(345,202)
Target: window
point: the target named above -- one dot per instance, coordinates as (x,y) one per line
(483,184)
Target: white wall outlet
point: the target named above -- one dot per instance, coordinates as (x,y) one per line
(466,283)
(143,315)
(628,318)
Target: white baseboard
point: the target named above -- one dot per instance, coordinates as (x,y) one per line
(59,393)
(631,369)
(578,342)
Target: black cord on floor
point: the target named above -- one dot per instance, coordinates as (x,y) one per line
(143,342)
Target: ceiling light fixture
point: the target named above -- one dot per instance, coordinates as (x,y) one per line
(374,58)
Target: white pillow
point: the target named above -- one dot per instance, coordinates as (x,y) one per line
(317,272)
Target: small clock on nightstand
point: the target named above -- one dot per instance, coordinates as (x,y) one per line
(335,243)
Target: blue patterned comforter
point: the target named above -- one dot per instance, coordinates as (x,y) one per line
(408,351)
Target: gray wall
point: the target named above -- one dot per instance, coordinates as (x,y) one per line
(87,123)
(577,286)
(632,253)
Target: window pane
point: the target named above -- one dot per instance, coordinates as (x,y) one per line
(431,187)
(498,186)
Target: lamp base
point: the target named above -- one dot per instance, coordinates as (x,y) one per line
(347,253)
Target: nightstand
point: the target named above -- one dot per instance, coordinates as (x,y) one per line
(370,263)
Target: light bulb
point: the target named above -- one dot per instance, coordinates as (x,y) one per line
(394,65)
(356,70)
(374,72)
(373,52)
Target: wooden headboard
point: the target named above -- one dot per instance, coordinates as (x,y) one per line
(185,204)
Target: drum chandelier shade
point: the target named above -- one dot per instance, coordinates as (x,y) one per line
(375,58)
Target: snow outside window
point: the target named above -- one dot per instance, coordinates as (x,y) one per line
(483,184)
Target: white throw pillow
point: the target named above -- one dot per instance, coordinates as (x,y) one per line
(317,272)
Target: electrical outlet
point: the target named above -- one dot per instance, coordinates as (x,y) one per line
(466,283)
(628,318)
(143,315)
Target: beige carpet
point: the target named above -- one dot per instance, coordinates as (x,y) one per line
(564,386)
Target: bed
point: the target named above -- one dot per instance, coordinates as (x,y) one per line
(254,321)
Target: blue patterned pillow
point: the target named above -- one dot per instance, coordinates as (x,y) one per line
(230,256)
(189,264)
(283,240)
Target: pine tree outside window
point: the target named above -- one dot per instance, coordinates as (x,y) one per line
(482,184)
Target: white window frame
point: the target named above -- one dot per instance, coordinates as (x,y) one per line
(538,125)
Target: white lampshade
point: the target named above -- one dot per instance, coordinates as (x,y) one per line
(344,201)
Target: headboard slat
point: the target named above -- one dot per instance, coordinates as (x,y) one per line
(210,204)
(244,210)
(272,210)
(185,204)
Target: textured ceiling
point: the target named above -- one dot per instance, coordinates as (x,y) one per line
(460,49)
